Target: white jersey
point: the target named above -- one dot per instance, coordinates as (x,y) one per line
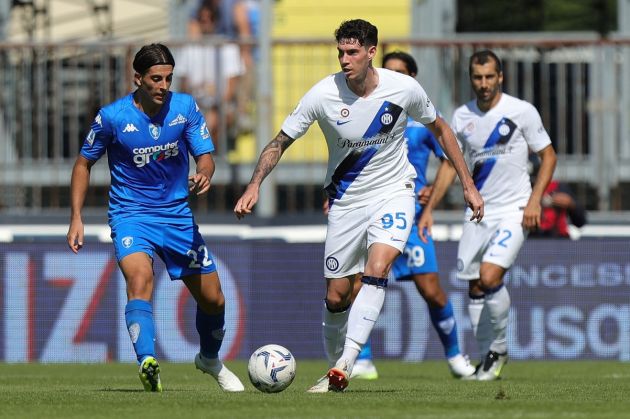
(367,157)
(496,144)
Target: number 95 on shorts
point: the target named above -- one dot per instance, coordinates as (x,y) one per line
(351,231)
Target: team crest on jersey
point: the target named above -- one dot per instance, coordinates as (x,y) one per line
(127,241)
(504,129)
(154,130)
(387,118)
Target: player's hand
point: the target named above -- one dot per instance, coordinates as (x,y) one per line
(198,182)
(75,235)
(325,207)
(531,216)
(562,200)
(425,223)
(425,194)
(247,201)
(474,201)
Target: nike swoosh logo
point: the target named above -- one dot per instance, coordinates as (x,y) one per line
(342,122)
(395,239)
(370,320)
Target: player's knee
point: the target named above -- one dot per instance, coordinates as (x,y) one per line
(435,297)
(378,269)
(139,287)
(212,304)
(337,303)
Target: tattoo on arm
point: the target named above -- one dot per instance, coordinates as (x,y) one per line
(270,156)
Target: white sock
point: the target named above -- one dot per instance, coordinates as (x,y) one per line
(363,315)
(335,326)
(481,324)
(498,306)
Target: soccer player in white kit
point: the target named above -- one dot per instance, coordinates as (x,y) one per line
(362,112)
(497,132)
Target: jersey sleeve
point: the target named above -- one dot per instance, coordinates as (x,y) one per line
(305,113)
(99,137)
(533,130)
(420,108)
(196,132)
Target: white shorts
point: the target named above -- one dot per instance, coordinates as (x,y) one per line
(351,231)
(497,239)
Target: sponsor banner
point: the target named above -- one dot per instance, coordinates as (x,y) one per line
(570,300)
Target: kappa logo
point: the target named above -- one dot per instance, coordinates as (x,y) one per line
(130,128)
(179,120)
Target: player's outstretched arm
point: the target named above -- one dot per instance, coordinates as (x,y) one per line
(200,181)
(447,140)
(443,180)
(78,189)
(269,158)
(533,210)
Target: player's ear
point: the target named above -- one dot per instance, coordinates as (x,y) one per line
(137,79)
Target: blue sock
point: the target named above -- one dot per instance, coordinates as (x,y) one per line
(446,328)
(139,319)
(211,331)
(366,351)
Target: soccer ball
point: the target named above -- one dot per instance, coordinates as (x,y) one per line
(271,368)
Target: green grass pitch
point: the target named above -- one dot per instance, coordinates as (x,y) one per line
(404,390)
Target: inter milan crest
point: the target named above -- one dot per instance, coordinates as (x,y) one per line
(154,130)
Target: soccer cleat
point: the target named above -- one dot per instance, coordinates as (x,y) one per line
(339,376)
(460,367)
(364,369)
(226,378)
(492,366)
(150,374)
(321,386)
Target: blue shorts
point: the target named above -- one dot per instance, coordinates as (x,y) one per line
(418,257)
(181,247)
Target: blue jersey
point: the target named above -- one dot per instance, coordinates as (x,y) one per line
(420,144)
(148,156)
(418,257)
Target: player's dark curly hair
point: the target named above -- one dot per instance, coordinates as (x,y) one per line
(410,63)
(150,55)
(482,57)
(361,30)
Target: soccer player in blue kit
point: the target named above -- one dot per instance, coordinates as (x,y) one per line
(147,136)
(418,261)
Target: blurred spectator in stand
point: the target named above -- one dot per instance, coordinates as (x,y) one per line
(211,73)
(233,22)
(238,20)
(560,208)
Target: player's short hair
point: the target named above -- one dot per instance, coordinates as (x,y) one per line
(410,63)
(363,31)
(482,57)
(150,55)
